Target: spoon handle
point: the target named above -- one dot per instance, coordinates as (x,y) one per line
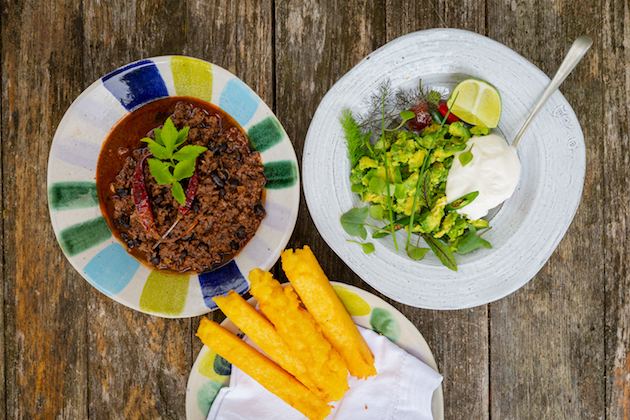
(578,49)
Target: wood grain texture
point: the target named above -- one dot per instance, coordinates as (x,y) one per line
(138,364)
(546,344)
(46,356)
(458,339)
(238,36)
(316,43)
(615,72)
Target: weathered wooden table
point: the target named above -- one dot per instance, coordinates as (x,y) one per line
(559,348)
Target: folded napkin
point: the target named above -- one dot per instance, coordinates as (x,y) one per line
(401,390)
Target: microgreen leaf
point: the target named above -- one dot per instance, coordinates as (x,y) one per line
(169,135)
(353,222)
(416,253)
(376,212)
(189,152)
(441,251)
(376,185)
(181,136)
(466,157)
(178,193)
(160,171)
(405,116)
(156,150)
(471,241)
(368,247)
(184,169)
(357,188)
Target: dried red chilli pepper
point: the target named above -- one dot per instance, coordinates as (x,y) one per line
(141,199)
(191,192)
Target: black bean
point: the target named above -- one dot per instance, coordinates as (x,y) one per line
(122,222)
(183,254)
(234,182)
(221,193)
(234,245)
(155,260)
(122,192)
(217,180)
(195,207)
(241,233)
(259,210)
(158,199)
(212,146)
(224,174)
(222,147)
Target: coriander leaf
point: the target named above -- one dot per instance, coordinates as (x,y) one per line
(157,150)
(416,253)
(376,185)
(376,212)
(353,221)
(466,157)
(181,136)
(178,193)
(441,251)
(169,135)
(471,241)
(160,171)
(189,152)
(158,136)
(184,169)
(368,248)
(434,97)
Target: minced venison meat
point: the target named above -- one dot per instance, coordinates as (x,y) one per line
(227,209)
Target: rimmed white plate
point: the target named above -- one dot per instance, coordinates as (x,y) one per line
(76,217)
(211,372)
(529,225)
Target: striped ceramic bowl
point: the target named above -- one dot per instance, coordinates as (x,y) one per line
(76,216)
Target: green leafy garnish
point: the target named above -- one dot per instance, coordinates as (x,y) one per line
(471,241)
(416,253)
(368,247)
(466,156)
(441,251)
(171,164)
(353,222)
(358,143)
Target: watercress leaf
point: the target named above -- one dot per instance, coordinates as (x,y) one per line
(169,135)
(182,135)
(157,150)
(416,253)
(466,157)
(407,115)
(357,188)
(353,222)
(434,97)
(441,251)
(376,212)
(158,136)
(178,193)
(160,171)
(189,152)
(184,169)
(376,185)
(368,248)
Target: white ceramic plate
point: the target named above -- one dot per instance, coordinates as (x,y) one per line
(82,231)
(529,225)
(211,372)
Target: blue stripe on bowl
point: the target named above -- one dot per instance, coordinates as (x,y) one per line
(136,84)
(238,100)
(111,270)
(220,281)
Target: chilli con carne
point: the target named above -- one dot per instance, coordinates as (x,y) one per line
(224,197)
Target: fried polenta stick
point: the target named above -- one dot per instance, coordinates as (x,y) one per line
(310,282)
(299,330)
(262,332)
(262,369)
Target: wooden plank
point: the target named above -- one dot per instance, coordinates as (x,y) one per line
(615,61)
(547,338)
(45,330)
(238,36)
(458,339)
(138,364)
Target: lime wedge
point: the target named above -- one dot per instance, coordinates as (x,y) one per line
(478,103)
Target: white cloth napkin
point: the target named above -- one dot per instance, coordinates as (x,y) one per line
(401,390)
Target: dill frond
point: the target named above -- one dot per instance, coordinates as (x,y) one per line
(355,140)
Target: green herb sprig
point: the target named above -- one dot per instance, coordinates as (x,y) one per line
(172,163)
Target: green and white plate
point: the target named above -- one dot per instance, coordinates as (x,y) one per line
(76,216)
(211,372)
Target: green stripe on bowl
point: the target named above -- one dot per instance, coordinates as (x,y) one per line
(72,195)
(192,77)
(281,174)
(164,294)
(266,134)
(83,236)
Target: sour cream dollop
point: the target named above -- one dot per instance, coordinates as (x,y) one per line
(494,171)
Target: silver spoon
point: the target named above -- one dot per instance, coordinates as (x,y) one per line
(578,49)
